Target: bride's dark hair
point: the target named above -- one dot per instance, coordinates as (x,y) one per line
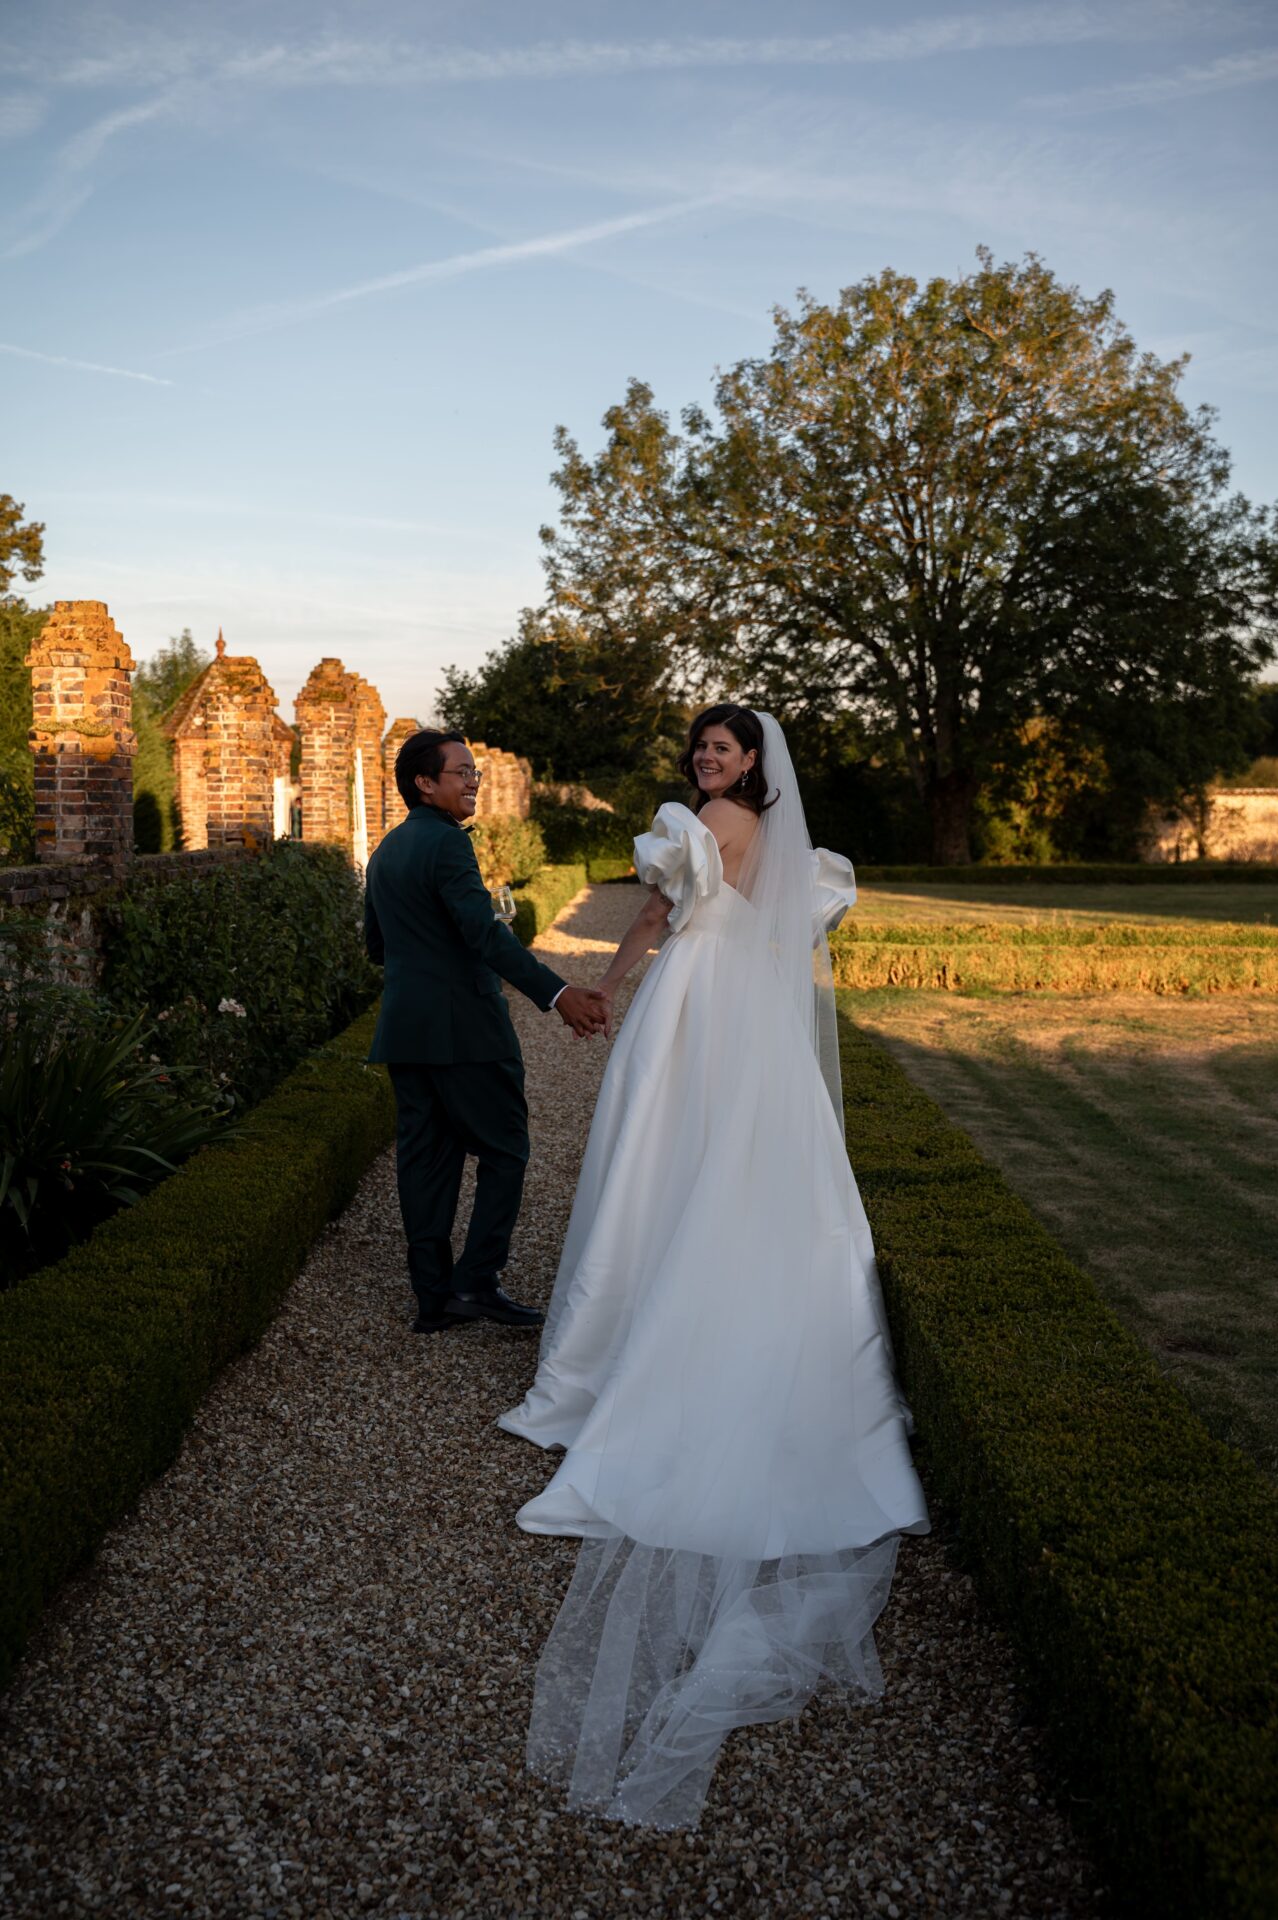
(752,789)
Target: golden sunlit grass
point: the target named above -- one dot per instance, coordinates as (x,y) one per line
(1144,1133)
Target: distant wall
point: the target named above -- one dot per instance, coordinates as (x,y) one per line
(1241,823)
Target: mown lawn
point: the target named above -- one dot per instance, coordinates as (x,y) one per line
(1144,1132)
(1067,905)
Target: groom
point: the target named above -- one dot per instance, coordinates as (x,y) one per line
(446,1035)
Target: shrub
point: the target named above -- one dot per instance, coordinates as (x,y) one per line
(1133,1558)
(602,838)
(537,904)
(242,966)
(105,1355)
(87,1124)
(509,851)
(17,819)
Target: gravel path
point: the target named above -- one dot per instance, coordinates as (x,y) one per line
(296,1681)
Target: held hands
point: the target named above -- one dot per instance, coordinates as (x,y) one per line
(585,1010)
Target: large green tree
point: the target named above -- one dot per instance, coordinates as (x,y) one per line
(950,509)
(583,702)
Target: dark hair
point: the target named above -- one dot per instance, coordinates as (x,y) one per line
(421,753)
(744,726)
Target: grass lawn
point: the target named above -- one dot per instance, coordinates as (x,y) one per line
(1144,1133)
(918,902)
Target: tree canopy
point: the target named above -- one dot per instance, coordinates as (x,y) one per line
(165,677)
(582,703)
(21,544)
(953,509)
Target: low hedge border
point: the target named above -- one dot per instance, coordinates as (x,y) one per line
(1085,874)
(105,1356)
(1055,933)
(1133,1558)
(962,962)
(537,903)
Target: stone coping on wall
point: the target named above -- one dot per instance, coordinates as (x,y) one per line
(49,884)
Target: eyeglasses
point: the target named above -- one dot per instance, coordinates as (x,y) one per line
(471,775)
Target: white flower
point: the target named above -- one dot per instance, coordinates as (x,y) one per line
(232,1006)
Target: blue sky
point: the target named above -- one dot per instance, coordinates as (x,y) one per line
(294,296)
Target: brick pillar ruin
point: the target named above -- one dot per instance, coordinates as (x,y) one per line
(222,731)
(393,809)
(506,788)
(326,717)
(370,718)
(82,737)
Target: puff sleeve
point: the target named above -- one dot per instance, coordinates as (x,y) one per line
(833,889)
(681,858)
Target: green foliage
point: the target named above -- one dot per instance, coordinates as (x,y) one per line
(21,544)
(242,966)
(17,821)
(19,625)
(1133,1559)
(537,904)
(165,677)
(105,1356)
(156,824)
(944,508)
(157,684)
(509,851)
(88,1123)
(580,703)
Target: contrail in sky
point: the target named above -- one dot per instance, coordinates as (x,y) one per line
(452,267)
(85,366)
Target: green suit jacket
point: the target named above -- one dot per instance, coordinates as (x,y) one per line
(429,921)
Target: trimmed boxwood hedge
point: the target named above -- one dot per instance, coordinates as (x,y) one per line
(105,1356)
(1086,874)
(1133,1558)
(537,904)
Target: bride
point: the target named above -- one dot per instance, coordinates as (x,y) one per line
(715,1362)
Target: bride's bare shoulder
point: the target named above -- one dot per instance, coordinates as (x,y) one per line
(731,825)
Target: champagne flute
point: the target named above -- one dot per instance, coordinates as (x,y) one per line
(504,905)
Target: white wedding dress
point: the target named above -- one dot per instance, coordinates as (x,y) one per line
(716,1362)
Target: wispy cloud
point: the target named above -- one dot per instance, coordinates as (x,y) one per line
(452,267)
(71,180)
(85,366)
(349,62)
(1231,70)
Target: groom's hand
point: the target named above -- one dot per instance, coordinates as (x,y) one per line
(583,1009)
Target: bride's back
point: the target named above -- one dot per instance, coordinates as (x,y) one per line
(734,827)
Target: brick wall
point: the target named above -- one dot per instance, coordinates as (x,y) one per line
(223,734)
(393,808)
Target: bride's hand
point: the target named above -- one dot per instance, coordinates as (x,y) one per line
(609,994)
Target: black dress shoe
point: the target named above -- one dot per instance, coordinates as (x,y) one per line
(435,1321)
(492,1304)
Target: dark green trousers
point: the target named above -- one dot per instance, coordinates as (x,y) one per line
(444,1113)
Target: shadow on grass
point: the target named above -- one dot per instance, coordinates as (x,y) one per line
(1148,1145)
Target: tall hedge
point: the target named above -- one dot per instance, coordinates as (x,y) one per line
(105,1356)
(1133,1558)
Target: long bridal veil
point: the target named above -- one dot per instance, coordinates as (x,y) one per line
(750,1480)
